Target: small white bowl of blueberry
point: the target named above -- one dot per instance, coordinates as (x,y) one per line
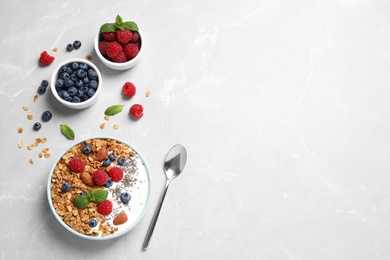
(76,83)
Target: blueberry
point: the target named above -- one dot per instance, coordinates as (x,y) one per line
(80,73)
(87,149)
(108,183)
(75,66)
(76,45)
(80,93)
(37,126)
(79,83)
(93,84)
(72,91)
(76,99)
(45,83)
(63,69)
(64,95)
(125,197)
(86,80)
(90,92)
(69,47)
(73,77)
(41,89)
(46,116)
(69,83)
(66,186)
(60,83)
(106,162)
(64,75)
(85,97)
(121,161)
(92,74)
(92,223)
(83,193)
(84,66)
(111,156)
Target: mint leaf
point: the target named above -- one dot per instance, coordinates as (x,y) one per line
(81,201)
(108,27)
(118,20)
(130,25)
(67,131)
(100,196)
(113,110)
(91,196)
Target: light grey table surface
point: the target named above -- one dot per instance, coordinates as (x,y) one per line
(283,106)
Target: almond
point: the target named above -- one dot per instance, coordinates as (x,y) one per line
(86,178)
(120,219)
(102,154)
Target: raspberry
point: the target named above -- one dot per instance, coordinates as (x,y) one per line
(135,36)
(123,36)
(76,165)
(103,46)
(45,59)
(116,174)
(131,50)
(136,111)
(113,49)
(128,89)
(100,177)
(121,57)
(105,208)
(109,36)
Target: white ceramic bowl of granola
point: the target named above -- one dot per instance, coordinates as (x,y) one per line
(136,181)
(91,93)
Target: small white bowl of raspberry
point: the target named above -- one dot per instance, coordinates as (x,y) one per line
(120,50)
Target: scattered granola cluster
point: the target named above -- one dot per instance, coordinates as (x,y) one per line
(88,219)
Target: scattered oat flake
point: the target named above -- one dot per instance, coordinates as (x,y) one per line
(40,155)
(30,147)
(106,118)
(31,161)
(116,127)
(35,98)
(20,145)
(47,155)
(55,49)
(20,130)
(148,93)
(25,108)
(30,117)
(88,57)
(102,126)
(45,150)
(44,140)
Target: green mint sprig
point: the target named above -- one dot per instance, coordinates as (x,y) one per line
(118,25)
(97,196)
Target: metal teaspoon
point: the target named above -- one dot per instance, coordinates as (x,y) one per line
(173,166)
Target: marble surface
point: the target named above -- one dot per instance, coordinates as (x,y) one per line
(283,107)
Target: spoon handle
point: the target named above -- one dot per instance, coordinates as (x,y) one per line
(155,217)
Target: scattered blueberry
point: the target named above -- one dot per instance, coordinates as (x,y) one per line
(87,149)
(111,156)
(37,126)
(92,223)
(41,89)
(125,197)
(66,186)
(69,47)
(45,83)
(108,183)
(46,116)
(121,161)
(106,162)
(76,45)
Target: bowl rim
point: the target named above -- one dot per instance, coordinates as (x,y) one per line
(115,64)
(82,104)
(117,234)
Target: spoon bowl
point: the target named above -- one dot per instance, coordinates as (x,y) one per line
(173,166)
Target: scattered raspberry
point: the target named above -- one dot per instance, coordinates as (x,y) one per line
(109,36)
(113,49)
(128,89)
(135,36)
(76,165)
(136,111)
(100,177)
(45,59)
(116,174)
(124,36)
(103,46)
(131,50)
(121,57)
(105,208)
